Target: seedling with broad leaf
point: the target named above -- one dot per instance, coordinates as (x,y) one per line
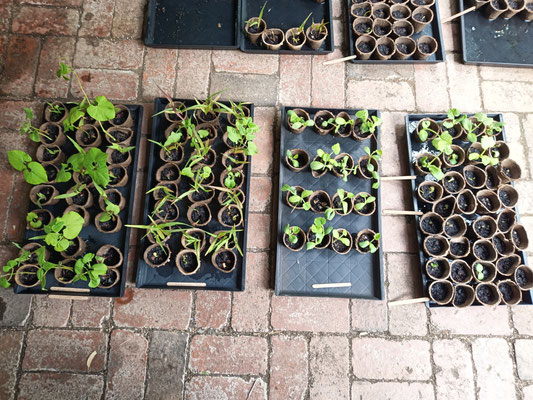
(8,271)
(371,244)
(121,149)
(292,233)
(298,200)
(293,159)
(341,235)
(34,172)
(33,220)
(368,123)
(344,198)
(61,230)
(325,161)
(320,230)
(90,267)
(92,163)
(297,122)
(28,129)
(454,117)
(368,199)
(376,156)
(243,135)
(433,169)
(339,122)
(230,181)
(424,130)
(487,144)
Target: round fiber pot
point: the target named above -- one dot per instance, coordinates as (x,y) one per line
(199,214)
(365,45)
(429,191)
(430,157)
(501,150)
(211,118)
(527,13)
(405,48)
(168,173)
(402,28)
(303,160)
(466,202)
(484,250)
(484,227)
(364,235)
(65,275)
(431,223)
(454,226)
(459,248)
(26,276)
(208,160)
(171,188)
(426,47)
(230,216)
(453,182)
(237,113)
(436,246)
(523,276)
(487,202)
(320,201)
(460,272)
(224,260)
(295,39)
(120,135)
(349,164)
(301,113)
(77,247)
(509,171)
(488,294)
(433,130)
(362,26)
(506,220)
(510,292)
(120,176)
(503,246)
(493,178)
(254,32)
(475,148)
(421,3)
(381,11)
(51,154)
(385,48)
(57,116)
(112,226)
(438,268)
(205,195)
(187,262)
(314,37)
(322,126)
(487,269)
(234,158)
(173,156)
(196,233)
(495,8)
(122,118)
(239,179)
(480,3)
(115,197)
(519,237)
(177,127)
(288,195)
(54,134)
(441,292)
(361,9)
(368,209)
(167,211)
(340,248)
(474,176)
(48,191)
(174,111)
(335,201)
(344,130)
(112,256)
(464,296)
(299,245)
(422,16)
(399,12)
(458,160)
(81,211)
(326,240)
(156,256)
(83,199)
(445,206)
(110,279)
(273,38)
(455,131)
(31,247)
(381,27)
(88,136)
(507,265)
(115,157)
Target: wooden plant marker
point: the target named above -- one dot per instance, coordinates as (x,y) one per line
(401,212)
(70,290)
(458,14)
(398,178)
(339,60)
(408,301)
(331,285)
(187,284)
(64,297)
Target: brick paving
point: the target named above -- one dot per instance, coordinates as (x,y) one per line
(253,345)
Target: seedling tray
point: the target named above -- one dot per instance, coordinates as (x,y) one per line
(500,42)
(297,272)
(93,238)
(433,29)
(208,277)
(414,147)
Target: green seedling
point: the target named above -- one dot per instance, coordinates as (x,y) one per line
(479,271)
(61,230)
(257,22)
(433,169)
(424,131)
(28,129)
(318,28)
(292,233)
(297,122)
(368,199)
(454,117)
(55,108)
(243,135)
(110,213)
(340,122)
(376,156)
(368,124)
(8,271)
(326,160)
(320,231)
(90,267)
(223,240)
(293,159)
(161,232)
(230,181)
(340,235)
(371,244)
(34,173)
(92,163)
(487,144)
(298,200)
(33,220)
(119,148)
(344,198)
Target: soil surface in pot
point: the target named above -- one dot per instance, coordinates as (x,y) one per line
(312,238)
(485,294)
(505,222)
(424,47)
(486,201)
(109,278)
(403,48)
(385,49)
(169,173)
(435,246)
(201,195)
(506,291)
(440,291)
(231,216)
(452,131)
(483,229)
(499,244)
(114,198)
(56,116)
(225,260)
(120,117)
(47,193)
(108,226)
(529,6)
(458,249)
(451,184)
(361,11)
(200,214)
(505,197)
(358,123)
(293,246)
(157,255)
(339,246)
(436,271)
(521,278)
(73,248)
(458,272)
(451,227)
(505,264)
(88,136)
(29,276)
(315,35)
(117,174)
(497,5)
(445,208)
(398,14)
(273,38)
(383,14)
(111,256)
(120,135)
(51,172)
(52,132)
(81,198)
(472,178)
(364,47)
(420,17)
(364,170)
(320,121)
(44,217)
(118,157)
(460,296)
(432,225)
(428,193)
(65,275)
(47,156)
(516,239)
(337,204)
(401,31)
(364,237)
(363,27)
(421,2)
(240,158)
(463,202)
(174,154)
(167,211)
(481,251)
(382,31)
(188,262)
(319,202)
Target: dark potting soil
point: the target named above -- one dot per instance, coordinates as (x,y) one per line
(316,35)
(529,6)
(295,40)
(451,184)
(157,255)
(432,225)
(33,258)
(481,251)
(424,47)
(108,226)
(472,178)
(188,262)
(81,198)
(343,130)
(47,193)
(170,173)
(403,48)
(463,202)
(367,208)
(491,182)
(117,175)
(505,264)
(458,249)
(362,11)
(174,154)
(120,117)
(401,31)
(225,260)
(120,135)
(339,246)
(56,117)
(513,4)
(487,203)
(451,227)
(358,123)
(364,170)
(44,217)
(89,136)
(506,291)
(109,278)
(458,272)
(73,248)
(460,296)
(320,120)
(437,271)
(483,229)
(239,159)
(319,203)
(118,157)
(363,27)
(399,14)
(211,116)
(293,246)
(66,275)
(29,277)
(497,5)
(485,294)
(381,13)
(167,211)
(384,49)
(434,246)
(111,256)
(507,172)
(273,38)
(231,216)
(427,193)
(337,204)
(516,238)
(521,278)
(504,222)
(444,208)
(364,47)
(439,291)
(255,29)
(420,18)
(114,198)
(161,193)
(51,172)
(421,2)
(452,131)
(47,156)
(52,132)
(201,195)
(499,244)
(505,198)
(363,238)
(200,214)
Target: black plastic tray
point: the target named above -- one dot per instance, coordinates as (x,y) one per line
(297,272)
(285,15)
(433,29)
(499,42)
(418,205)
(207,277)
(94,239)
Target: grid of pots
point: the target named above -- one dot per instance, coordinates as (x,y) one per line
(506,9)
(385,29)
(471,236)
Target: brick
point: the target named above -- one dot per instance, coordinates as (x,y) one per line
(50,312)
(7,179)
(408,320)
(262,90)
(337,6)
(372,359)
(527,126)
(5,16)
(478,321)
(327,89)
(369,315)
(404,276)
(64,350)
(522,317)
(126,369)
(10,347)
(505,74)
(7,252)
(294,80)
(393,142)
(264,118)
(517,143)
(46,21)
(329,365)
(64,3)
(399,227)
(448,8)
(3,40)
(93,313)
(380,95)
(218,387)
(527,392)
(20,64)
(166,365)
(17,215)
(115,85)
(251,307)
(194,67)
(245,63)
(259,228)
(389,72)
(159,71)
(524,358)
(494,367)
(493,96)
(212,309)
(235,355)
(463,83)
(398,195)
(54,49)
(97,18)
(454,375)
(260,194)
(431,89)
(153,308)
(309,314)
(105,53)
(338,34)
(128,19)
(47,386)
(14,308)
(12,116)
(392,390)
(451,35)
(288,368)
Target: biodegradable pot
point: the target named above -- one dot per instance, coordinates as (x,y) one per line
(441,292)
(49,191)
(178,126)
(381,27)
(458,150)
(322,117)
(160,193)
(501,150)
(31,247)
(487,202)
(431,223)
(484,250)
(64,275)
(402,28)
(167,211)
(223,196)
(122,118)
(76,248)
(509,171)
(335,202)
(224,260)
(340,248)
(121,135)
(453,182)
(325,243)
(430,191)
(508,196)
(480,3)
(196,233)
(45,216)
(209,160)
(464,296)
(239,180)
(454,226)
(510,292)
(503,246)
(81,211)
(495,8)
(54,133)
(26,276)
(365,45)
(174,115)
(364,235)
(456,131)
(295,39)
(120,176)
(51,154)
(445,206)
(381,11)
(303,160)
(349,164)
(361,9)
(506,219)
(110,279)
(405,48)
(59,117)
(430,157)
(299,190)
(368,209)
(232,117)
(466,202)
(112,256)
(82,179)
(438,268)
(115,197)
(302,114)
(484,227)
(115,157)
(433,125)
(459,248)
(523,276)
(436,246)
(156,256)
(234,158)
(399,12)
(273,38)
(527,13)
(230,216)
(168,173)
(420,3)
(204,196)
(254,32)
(344,131)
(385,48)
(507,265)
(318,173)
(320,201)
(83,199)
(479,128)
(489,271)
(315,38)
(518,236)
(421,17)
(362,26)
(211,118)
(362,171)
(230,245)
(199,214)
(493,178)
(187,262)
(475,148)
(212,132)
(299,245)
(488,294)
(460,272)
(112,226)
(88,136)
(150,236)
(474,176)
(426,46)
(51,171)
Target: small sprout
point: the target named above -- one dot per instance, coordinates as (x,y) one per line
(297,122)
(371,244)
(292,233)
